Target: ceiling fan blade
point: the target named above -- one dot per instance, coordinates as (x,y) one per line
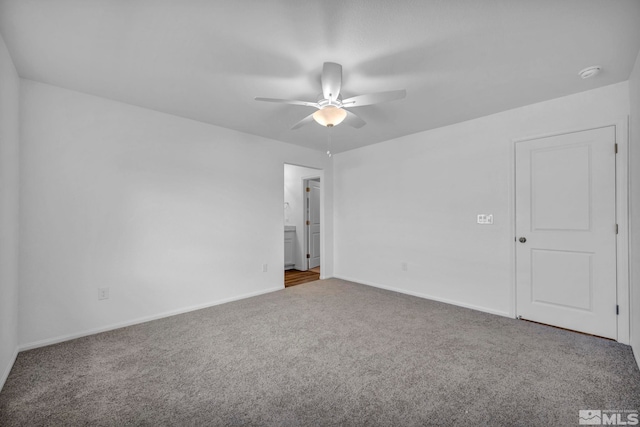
(305,121)
(288,101)
(374,98)
(331,80)
(353,120)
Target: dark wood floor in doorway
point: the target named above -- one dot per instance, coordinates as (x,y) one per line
(297,277)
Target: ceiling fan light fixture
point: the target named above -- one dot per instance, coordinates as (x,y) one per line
(329,116)
(331,108)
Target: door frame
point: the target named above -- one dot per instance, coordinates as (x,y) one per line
(621,127)
(305,238)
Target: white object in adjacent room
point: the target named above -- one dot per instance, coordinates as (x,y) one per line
(289,247)
(566,231)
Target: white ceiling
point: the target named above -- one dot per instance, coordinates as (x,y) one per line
(207,59)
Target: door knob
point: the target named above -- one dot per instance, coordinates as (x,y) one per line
(523,239)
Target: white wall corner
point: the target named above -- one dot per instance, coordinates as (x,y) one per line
(7,370)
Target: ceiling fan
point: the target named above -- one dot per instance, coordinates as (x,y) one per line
(331,107)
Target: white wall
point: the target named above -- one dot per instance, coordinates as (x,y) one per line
(167,212)
(294,214)
(415,200)
(9,160)
(634,157)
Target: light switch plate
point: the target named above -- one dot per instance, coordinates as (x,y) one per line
(485,219)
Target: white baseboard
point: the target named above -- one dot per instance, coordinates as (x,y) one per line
(62,338)
(7,370)
(430,297)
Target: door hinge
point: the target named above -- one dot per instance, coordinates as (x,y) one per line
(616,147)
(308,222)
(308,189)
(308,255)
(617,309)
(616,228)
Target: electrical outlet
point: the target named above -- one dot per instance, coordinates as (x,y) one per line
(265,268)
(103,293)
(404,266)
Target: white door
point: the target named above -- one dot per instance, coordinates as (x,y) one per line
(566,231)
(313,223)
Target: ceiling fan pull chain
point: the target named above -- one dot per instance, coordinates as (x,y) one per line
(329,140)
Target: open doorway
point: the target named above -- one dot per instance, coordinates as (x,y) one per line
(302,224)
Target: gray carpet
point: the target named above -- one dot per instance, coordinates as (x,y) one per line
(324,353)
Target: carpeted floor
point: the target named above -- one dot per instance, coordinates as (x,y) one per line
(323,353)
